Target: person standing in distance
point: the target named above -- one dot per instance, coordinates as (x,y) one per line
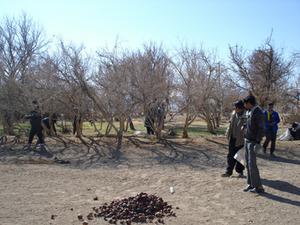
(271,127)
(35,118)
(254,132)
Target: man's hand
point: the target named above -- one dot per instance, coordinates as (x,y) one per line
(257,147)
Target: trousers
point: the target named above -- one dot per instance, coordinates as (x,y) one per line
(253,177)
(231,161)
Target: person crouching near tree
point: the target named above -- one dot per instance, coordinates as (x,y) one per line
(235,137)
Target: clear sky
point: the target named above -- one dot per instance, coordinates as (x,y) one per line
(213,23)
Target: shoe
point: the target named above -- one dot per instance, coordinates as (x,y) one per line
(226,175)
(248,189)
(27,147)
(258,190)
(241,175)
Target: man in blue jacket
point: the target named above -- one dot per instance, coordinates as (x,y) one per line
(271,126)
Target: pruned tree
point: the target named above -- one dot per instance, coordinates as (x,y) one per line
(264,71)
(199,87)
(21,43)
(151,83)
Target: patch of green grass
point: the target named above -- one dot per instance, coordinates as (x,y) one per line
(20,128)
(199,131)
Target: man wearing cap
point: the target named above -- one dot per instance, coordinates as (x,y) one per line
(271,126)
(254,132)
(235,137)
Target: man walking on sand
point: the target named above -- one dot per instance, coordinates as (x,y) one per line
(235,137)
(254,132)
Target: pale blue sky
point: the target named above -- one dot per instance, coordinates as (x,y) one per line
(213,23)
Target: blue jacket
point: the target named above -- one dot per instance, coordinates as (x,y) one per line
(273,123)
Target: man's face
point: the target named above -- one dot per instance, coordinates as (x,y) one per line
(270,107)
(238,110)
(247,105)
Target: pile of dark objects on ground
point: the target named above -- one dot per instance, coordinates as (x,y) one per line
(143,208)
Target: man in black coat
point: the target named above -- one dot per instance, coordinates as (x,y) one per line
(295,131)
(36,124)
(253,132)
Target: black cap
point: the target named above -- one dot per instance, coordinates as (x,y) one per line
(271,104)
(250,99)
(239,104)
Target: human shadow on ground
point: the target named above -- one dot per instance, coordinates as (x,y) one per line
(284,187)
(279,159)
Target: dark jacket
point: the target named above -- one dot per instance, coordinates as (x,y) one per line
(295,131)
(272,124)
(35,119)
(254,129)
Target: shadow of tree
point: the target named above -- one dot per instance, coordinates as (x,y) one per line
(136,153)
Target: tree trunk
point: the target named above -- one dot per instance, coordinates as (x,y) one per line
(185,132)
(119,138)
(8,127)
(210,126)
(108,128)
(185,128)
(79,125)
(159,127)
(126,126)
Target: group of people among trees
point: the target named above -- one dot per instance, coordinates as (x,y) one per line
(44,123)
(40,122)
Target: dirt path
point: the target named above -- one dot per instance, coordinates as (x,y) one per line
(31,193)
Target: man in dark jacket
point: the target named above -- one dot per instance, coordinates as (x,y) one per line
(36,124)
(271,127)
(254,132)
(235,137)
(295,131)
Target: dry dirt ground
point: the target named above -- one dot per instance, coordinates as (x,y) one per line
(32,188)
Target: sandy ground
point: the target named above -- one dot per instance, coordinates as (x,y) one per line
(33,188)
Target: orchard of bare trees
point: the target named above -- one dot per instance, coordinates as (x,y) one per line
(118,84)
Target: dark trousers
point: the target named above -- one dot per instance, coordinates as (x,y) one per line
(39,134)
(270,136)
(253,177)
(150,130)
(231,161)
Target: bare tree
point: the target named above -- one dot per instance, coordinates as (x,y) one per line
(21,42)
(199,88)
(265,71)
(151,82)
